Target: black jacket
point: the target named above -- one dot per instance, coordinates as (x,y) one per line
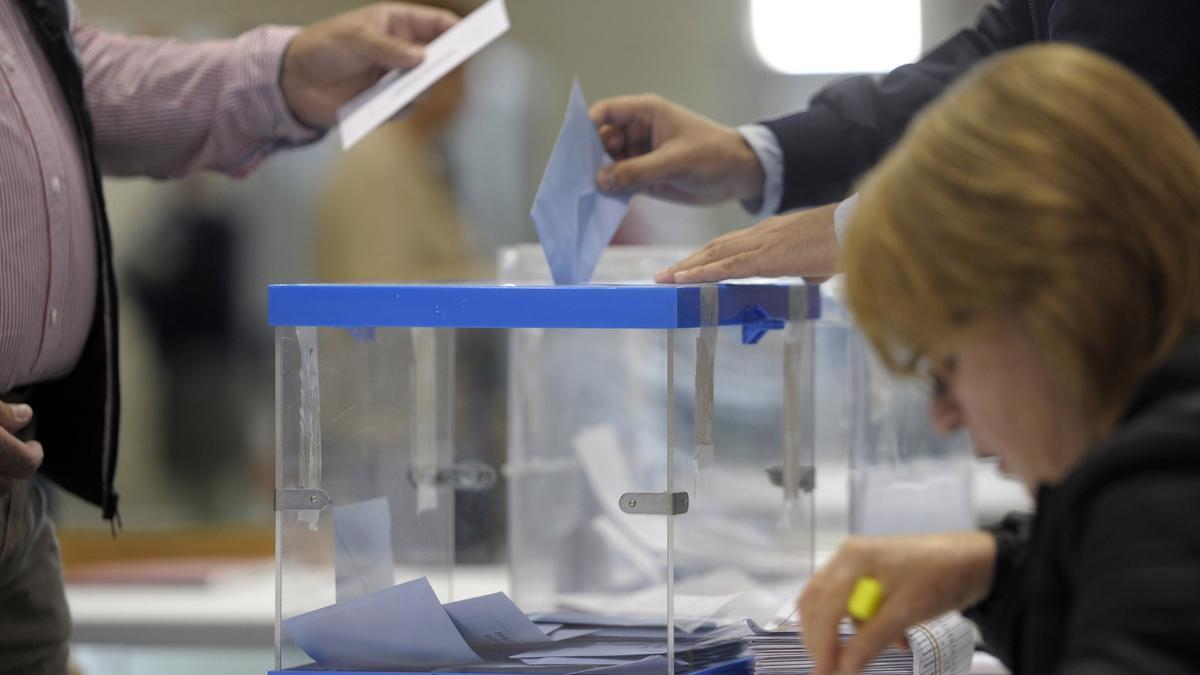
(850,124)
(76,417)
(1105,578)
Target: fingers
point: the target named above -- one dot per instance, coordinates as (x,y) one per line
(395,32)
(871,638)
(823,606)
(801,244)
(14,417)
(717,251)
(418,23)
(613,139)
(18,459)
(639,173)
(620,111)
(388,51)
(627,126)
(629,141)
(740,266)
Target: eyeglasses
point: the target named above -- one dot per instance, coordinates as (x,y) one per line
(937,375)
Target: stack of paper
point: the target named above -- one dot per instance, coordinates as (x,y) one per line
(406,627)
(942,647)
(613,640)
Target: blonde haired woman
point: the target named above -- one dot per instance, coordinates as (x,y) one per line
(1033,247)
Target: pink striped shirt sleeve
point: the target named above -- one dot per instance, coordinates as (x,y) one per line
(161,108)
(166,108)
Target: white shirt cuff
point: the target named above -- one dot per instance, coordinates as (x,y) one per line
(766,147)
(842,215)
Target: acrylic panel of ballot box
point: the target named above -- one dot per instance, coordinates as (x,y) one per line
(644,453)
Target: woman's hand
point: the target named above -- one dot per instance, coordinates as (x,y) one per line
(923,576)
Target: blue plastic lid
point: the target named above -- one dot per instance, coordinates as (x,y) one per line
(508,306)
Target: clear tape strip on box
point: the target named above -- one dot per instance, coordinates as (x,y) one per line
(310,418)
(799,394)
(424,441)
(706,344)
(670,490)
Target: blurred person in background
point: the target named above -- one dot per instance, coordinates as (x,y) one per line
(389,211)
(812,158)
(76,101)
(1032,246)
(181,273)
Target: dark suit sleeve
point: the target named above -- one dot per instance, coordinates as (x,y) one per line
(1157,39)
(1136,580)
(1000,615)
(851,123)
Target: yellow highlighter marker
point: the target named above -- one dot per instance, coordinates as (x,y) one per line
(865,598)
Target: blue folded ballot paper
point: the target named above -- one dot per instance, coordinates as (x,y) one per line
(575,221)
(406,629)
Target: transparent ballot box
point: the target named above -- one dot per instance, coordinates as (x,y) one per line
(522,478)
(882,468)
(904,476)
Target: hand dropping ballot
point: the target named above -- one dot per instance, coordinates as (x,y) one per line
(398,88)
(575,221)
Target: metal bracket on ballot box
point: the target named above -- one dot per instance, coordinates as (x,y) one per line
(461,476)
(655,503)
(301,499)
(806,478)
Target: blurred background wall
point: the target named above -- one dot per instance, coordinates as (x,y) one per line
(195,256)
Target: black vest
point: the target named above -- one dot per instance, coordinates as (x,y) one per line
(76,416)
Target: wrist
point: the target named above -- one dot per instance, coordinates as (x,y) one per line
(296,92)
(293,124)
(979,551)
(288,85)
(749,176)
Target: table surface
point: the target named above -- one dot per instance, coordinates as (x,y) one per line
(237,609)
(234,610)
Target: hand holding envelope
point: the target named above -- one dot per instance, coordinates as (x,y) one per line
(398,88)
(575,221)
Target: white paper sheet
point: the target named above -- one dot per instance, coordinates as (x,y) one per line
(566,661)
(637,633)
(404,624)
(944,645)
(607,619)
(651,665)
(589,619)
(398,88)
(709,539)
(572,633)
(362,561)
(606,468)
(613,649)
